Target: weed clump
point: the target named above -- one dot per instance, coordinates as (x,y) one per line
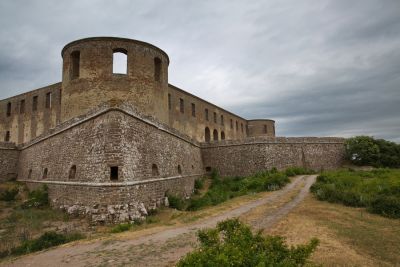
(46,240)
(232,243)
(37,198)
(9,194)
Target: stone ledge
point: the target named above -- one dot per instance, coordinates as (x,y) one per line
(109,184)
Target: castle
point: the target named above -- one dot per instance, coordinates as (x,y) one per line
(111,145)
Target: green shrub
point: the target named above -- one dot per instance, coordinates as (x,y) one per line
(123,227)
(377,190)
(9,194)
(386,205)
(47,240)
(37,198)
(176,202)
(198,184)
(232,243)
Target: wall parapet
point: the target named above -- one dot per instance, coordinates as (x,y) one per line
(275,140)
(104,108)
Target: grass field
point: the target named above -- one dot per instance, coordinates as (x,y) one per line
(377,190)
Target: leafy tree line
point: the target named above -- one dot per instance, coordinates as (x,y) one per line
(365,150)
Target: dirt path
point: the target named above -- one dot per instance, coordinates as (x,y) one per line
(165,247)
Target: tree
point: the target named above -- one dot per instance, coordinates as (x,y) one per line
(362,150)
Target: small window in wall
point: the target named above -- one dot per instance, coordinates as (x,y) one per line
(22,106)
(114,173)
(215,117)
(157,69)
(231,124)
(207,135)
(222,135)
(35,103)
(75,64)
(8,109)
(193,110)
(154,170)
(179,169)
(72,172)
(215,135)
(169,102)
(206,114)
(181,105)
(241,126)
(30,174)
(48,100)
(237,126)
(120,61)
(208,169)
(222,120)
(45,172)
(7,137)
(265,129)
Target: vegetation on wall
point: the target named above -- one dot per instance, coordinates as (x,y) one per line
(377,190)
(223,189)
(232,243)
(365,150)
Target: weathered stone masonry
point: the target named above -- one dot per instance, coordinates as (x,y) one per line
(111,146)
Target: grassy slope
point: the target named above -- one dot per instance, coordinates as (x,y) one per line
(349,236)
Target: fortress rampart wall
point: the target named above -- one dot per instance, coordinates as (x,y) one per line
(9,156)
(76,162)
(249,156)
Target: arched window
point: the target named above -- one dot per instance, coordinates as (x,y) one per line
(215,135)
(154,170)
(8,109)
(72,172)
(179,169)
(7,137)
(157,69)
(222,135)
(75,64)
(207,134)
(45,172)
(120,61)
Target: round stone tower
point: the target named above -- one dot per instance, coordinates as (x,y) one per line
(89,77)
(262,127)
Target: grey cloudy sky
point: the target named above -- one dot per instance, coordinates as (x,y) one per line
(319,68)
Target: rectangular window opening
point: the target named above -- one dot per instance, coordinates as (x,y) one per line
(193,110)
(114,173)
(182,105)
(34,103)
(206,114)
(48,100)
(169,102)
(22,107)
(215,117)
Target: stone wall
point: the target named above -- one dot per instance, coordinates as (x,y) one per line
(194,122)
(115,202)
(249,156)
(30,115)
(9,156)
(151,160)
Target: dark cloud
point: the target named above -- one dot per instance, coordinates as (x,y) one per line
(319,68)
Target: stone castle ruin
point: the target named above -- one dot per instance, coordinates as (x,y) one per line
(112,145)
